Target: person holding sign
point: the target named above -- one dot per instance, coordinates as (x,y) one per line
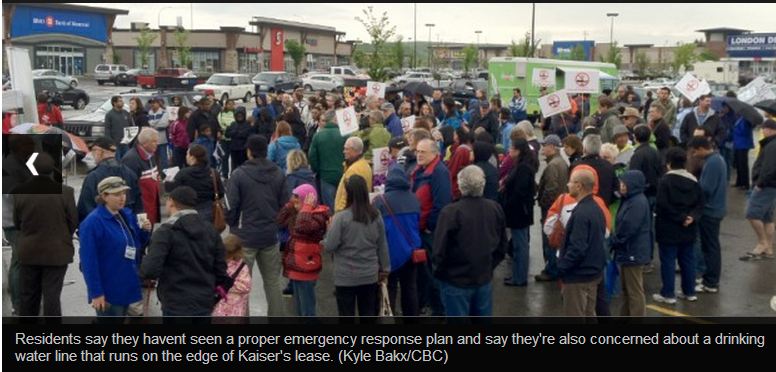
(115,121)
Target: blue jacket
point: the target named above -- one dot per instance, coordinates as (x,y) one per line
(517,109)
(583,256)
(632,239)
(210,146)
(280,148)
(401,228)
(452,121)
(108,168)
(393,124)
(506,131)
(742,135)
(298,178)
(103,244)
(714,185)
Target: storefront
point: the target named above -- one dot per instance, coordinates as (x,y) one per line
(68,38)
(755,53)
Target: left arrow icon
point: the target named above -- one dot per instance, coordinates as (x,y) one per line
(30,165)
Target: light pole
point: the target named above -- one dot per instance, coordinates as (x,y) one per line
(430,26)
(478,32)
(611,29)
(415,36)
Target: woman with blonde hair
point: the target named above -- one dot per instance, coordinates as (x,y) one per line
(299,172)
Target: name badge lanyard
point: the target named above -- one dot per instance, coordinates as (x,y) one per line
(130,251)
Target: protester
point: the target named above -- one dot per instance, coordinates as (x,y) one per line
(256,192)
(517,195)
(572,147)
(142,161)
(664,98)
(299,172)
(355,164)
(282,145)
(608,119)
(48,112)
(375,136)
(236,301)
(678,210)
(116,120)
(137,113)
(647,160)
(357,239)
(461,156)
(179,138)
(238,132)
(483,153)
(202,116)
(743,141)
(703,116)
(326,158)
(624,148)
(760,208)
(206,140)
(487,120)
(517,106)
(607,183)
(159,119)
(225,118)
(202,179)
(392,121)
(551,185)
(657,123)
(110,243)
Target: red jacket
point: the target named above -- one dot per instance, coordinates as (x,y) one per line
(50,117)
(302,258)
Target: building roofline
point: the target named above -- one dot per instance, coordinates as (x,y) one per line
(256,21)
(76,8)
(463,45)
(723,29)
(638,45)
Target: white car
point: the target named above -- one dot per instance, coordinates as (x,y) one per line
(659,82)
(73,82)
(228,86)
(327,82)
(414,77)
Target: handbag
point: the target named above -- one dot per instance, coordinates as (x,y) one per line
(219,221)
(222,290)
(558,235)
(418,254)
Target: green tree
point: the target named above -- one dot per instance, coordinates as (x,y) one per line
(184,50)
(359,58)
(380,31)
(613,55)
(296,50)
(144,41)
(524,48)
(469,57)
(578,53)
(707,55)
(642,62)
(684,56)
(398,53)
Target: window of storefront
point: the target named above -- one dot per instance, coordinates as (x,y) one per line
(248,62)
(201,60)
(68,60)
(151,61)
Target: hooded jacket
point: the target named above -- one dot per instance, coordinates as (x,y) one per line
(632,238)
(647,160)
(200,178)
(279,149)
(401,217)
(239,131)
(764,168)
(187,256)
(299,177)
(678,196)
(254,194)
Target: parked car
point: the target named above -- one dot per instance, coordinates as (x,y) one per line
(63,93)
(91,126)
(274,81)
(348,72)
(148,79)
(464,89)
(327,82)
(104,73)
(130,76)
(413,77)
(228,86)
(73,82)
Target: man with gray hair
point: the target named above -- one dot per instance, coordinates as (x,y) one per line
(463,268)
(354,164)
(606,182)
(392,121)
(142,160)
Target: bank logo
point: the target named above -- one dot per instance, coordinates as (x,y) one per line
(49,21)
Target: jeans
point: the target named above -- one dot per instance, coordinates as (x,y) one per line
(428,291)
(700,261)
(668,256)
(407,277)
(520,258)
(113,310)
(161,152)
(712,253)
(268,261)
(458,301)
(36,281)
(550,260)
(742,167)
(304,297)
(11,234)
(363,296)
(727,154)
(328,193)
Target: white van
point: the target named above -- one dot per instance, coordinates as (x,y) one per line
(107,73)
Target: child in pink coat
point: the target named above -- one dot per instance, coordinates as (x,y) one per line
(236,301)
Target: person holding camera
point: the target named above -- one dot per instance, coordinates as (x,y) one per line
(49,112)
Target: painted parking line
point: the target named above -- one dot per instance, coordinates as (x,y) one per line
(670,312)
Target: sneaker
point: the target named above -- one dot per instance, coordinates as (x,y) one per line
(703,288)
(691,298)
(666,300)
(543,277)
(699,281)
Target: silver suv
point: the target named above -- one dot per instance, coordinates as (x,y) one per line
(108,73)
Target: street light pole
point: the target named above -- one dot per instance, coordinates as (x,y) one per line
(533,22)
(429,25)
(415,43)
(611,29)
(478,32)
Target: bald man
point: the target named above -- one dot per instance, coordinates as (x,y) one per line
(582,256)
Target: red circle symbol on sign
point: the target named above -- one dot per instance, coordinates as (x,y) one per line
(544,75)
(348,120)
(553,101)
(582,79)
(49,21)
(375,88)
(692,85)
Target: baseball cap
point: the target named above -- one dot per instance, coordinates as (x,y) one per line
(552,139)
(397,143)
(105,143)
(112,185)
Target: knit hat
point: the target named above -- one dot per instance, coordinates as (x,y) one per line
(303,190)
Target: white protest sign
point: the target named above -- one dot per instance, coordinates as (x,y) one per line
(129,134)
(381,157)
(346,118)
(581,81)
(690,87)
(756,91)
(543,77)
(554,103)
(172,111)
(375,89)
(170,173)
(407,123)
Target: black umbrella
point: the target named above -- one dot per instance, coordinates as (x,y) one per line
(421,88)
(746,110)
(769,106)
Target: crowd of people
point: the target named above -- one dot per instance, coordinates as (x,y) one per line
(458,196)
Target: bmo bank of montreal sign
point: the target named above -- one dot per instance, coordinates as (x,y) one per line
(29,21)
(752,45)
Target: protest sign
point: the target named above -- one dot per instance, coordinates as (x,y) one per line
(407,123)
(381,157)
(375,89)
(543,77)
(347,120)
(554,103)
(581,81)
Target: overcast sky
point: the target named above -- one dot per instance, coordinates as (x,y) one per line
(659,24)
